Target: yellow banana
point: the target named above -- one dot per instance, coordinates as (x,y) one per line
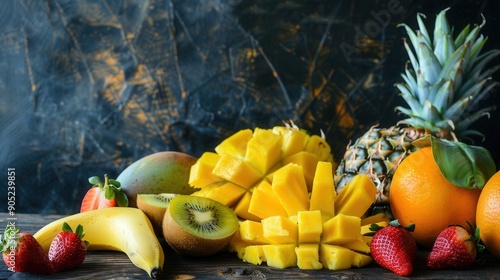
(123,229)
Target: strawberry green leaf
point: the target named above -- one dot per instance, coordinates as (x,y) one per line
(463,165)
(67,227)
(109,192)
(121,198)
(79,231)
(95,180)
(115,183)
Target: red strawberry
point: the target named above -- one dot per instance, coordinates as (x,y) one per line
(104,195)
(394,248)
(22,253)
(454,248)
(68,250)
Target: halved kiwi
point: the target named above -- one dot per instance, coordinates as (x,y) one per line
(155,206)
(198,226)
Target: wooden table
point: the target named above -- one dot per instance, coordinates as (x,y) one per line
(116,265)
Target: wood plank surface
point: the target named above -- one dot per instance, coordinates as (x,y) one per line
(116,265)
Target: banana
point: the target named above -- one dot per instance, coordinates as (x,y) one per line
(123,229)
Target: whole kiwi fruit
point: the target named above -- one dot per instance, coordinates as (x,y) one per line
(198,226)
(155,206)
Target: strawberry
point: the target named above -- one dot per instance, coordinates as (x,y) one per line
(68,250)
(104,195)
(455,248)
(22,253)
(394,248)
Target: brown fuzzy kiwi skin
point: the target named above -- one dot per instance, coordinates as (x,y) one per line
(154,213)
(187,244)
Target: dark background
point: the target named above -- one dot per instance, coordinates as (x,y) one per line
(88,87)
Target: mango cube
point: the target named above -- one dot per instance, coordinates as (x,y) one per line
(226,193)
(254,254)
(241,208)
(280,230)
(290,187)
(265,202)
(356,196)
(360,245)
(263,150)
(236,144)
(323,190)
(335,257)
(310,226)
(238,246)
(341,229)
(201,172)
(280,255)
(308,256)
(252,232)
(308,161)
(317,145)
(236,170)
(293,140)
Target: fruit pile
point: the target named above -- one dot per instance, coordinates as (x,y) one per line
(276,195)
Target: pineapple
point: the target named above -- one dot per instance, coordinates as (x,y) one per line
(442,90)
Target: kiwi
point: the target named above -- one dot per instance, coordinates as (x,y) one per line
(198,226)
(155,206)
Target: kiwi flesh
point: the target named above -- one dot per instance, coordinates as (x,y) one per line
(198,226)
(155,206)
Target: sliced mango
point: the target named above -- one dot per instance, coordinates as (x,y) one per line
(280,255)
(293,140)
(236,144)
(310,226)
(373,219)
(308,256)
(241,208)
(341,229)
(254,254)
(335,257)
(290,187)
(356,196)
(201,172)
(236,170)
(265,202)
(280,230)
(252,232)
(317,145)
(226,193)
(263,150)
(308,161)
(323,190)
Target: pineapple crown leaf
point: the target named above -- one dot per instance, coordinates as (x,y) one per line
(446,78)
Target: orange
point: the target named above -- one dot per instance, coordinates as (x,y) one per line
(488,215)
(421,195)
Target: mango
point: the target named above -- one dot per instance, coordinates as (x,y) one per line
(236,170)
(264,202)
(308,256)
(235,145)
(293,140)
(252,232)
(224,192)
(263,150)
(201,172)
(308,161)
(290,187)
(280,230)
(161,172)
(254,254)
(356,196)
(280,255)
(323,190)
(335,257)
(341,229)
(310,226)
(317,145)
(241,208)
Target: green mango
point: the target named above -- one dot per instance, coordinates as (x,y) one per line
(161,172)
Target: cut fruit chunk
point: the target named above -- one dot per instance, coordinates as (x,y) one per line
(308,256)
(293,140)
(341,229)
(241,209)
(335,257)
(317,145)
(373,219)
(265,202)
(290,187)
(310,226)
(263,150)
(236,144)
(252,232)
(323,190)
(201,172)
(280,230)
(308,161)
(280,255)
(356,197)
(237,171)
(226,193)
(254,254)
